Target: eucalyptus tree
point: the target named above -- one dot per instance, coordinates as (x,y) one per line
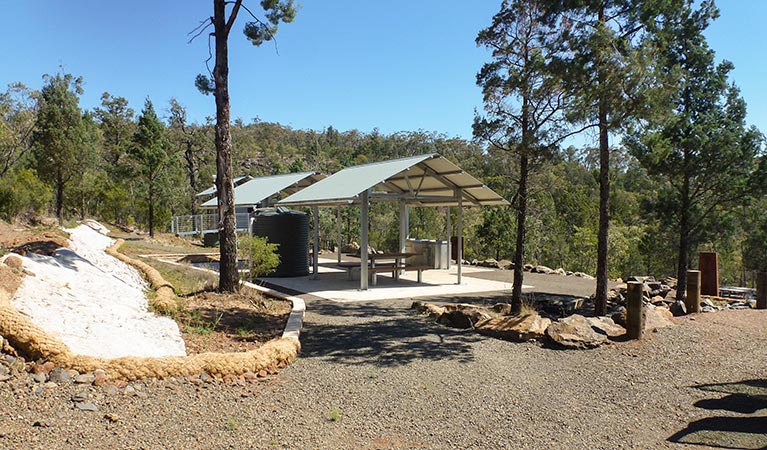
(60,134)
(523,103)
(151,154)
(702,146)
(18,111)
(605,55)
(257,31)
(193,146)
(115,119)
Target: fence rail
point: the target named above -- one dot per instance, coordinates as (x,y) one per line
(203,224)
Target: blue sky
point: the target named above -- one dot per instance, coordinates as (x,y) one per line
(395,65)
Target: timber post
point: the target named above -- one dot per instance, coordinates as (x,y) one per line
(761,290)
(692,299)
(634,310)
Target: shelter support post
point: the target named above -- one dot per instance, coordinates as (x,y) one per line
(364,240)
(316,249)
(449,237)
(339,242)
(404,226)
(459,241)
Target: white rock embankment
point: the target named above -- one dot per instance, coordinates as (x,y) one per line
(93,302)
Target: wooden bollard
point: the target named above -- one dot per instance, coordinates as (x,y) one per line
(634,310)
(761,290)
(692,298)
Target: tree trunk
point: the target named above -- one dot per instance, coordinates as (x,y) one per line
(519,252)
(684,238)
(60,198)
(228,280)
(151,209)
(192,169)
(600,297)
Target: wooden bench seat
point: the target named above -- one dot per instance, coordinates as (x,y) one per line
(349,266)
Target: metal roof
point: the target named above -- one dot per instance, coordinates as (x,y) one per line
(212,190)
(259,189)
(420,180)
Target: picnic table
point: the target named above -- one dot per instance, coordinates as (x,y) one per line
(385,262)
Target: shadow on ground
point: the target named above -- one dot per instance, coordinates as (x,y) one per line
(731,432)
(378,335)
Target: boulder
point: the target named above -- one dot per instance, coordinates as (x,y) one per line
(658,300)
(640,279)
(575,332)
(657,317)
(560,271)
(59,375)
(428,309)
(503,309)
(670,296)
(543,270)
(490,262)
(14,262)
(505,264)
(619,316)
(585,276)
(454,319)
(678,308)
(606,326)
(528,268)
(463,316)
(351,247)
(514,328)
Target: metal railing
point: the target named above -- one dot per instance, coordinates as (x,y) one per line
(204,223)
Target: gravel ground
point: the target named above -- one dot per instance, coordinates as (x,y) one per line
(376,376)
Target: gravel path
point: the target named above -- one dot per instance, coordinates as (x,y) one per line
(375,376)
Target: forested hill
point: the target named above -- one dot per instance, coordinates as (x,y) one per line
(107,175)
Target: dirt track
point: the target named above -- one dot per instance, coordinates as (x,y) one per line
(373,375)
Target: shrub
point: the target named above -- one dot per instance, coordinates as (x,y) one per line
(23,192)
(261,255)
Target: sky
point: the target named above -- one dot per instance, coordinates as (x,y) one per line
(396,65)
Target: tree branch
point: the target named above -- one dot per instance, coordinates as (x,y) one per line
(271,35)
(204,24)
(232,17)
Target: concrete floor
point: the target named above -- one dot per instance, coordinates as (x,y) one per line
(334,284)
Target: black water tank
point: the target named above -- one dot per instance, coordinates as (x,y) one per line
(289,229)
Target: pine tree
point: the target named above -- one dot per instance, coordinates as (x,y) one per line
(59,135)
(150,151)
(257,31)
(524,103)
(701,146)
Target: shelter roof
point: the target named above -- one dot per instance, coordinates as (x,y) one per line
(418,180)
(259,189)
(212,190)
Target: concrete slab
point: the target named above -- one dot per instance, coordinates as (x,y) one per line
(333,284)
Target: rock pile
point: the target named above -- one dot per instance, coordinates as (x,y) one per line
(505,264)
(575,331)
(662,294)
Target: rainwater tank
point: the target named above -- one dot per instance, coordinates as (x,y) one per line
(290,230)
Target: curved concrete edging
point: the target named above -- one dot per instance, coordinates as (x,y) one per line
(296,318)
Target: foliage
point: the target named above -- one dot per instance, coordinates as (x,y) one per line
(261,255)
(523,101)
(701,146)
(18,112)
(496,232)
(60,134)
(151,154)
(23,192)
(604,54)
